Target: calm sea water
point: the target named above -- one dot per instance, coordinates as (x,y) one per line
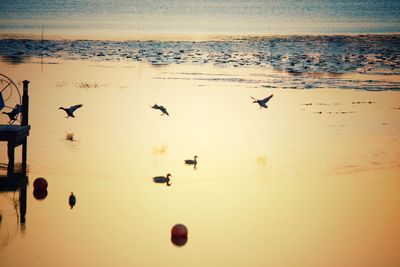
(123,18)
(310,181)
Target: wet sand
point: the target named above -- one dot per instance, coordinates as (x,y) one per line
(310,181)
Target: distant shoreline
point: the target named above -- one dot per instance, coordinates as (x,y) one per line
(305,61)
(184,37)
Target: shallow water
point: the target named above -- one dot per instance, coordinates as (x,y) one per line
(122,18)
(298,62)
(310,181)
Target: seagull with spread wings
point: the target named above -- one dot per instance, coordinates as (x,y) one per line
(70,111)
(262,102)
(162,108)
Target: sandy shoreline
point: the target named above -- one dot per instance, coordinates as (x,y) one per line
(299,62)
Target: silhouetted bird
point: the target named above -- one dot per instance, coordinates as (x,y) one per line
(70,110)
(262,102)
(191,161)
(162,179)
(162,108)
(72,200)
(12,115)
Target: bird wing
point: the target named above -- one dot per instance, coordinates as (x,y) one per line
(265,100)
(164,110)
(75,107)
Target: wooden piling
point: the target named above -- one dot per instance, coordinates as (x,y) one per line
(24,122)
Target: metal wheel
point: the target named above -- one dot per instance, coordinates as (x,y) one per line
(10,100)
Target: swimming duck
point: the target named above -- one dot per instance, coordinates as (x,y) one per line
(191,162)
(162,179)
(71,109)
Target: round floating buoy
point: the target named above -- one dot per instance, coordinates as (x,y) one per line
(40,194)
(40,184)
(179,230)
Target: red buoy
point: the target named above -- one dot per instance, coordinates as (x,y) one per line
(179,230)
(40,184)
(40,194)
(179,241)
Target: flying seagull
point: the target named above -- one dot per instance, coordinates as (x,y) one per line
(162,108)
(12,115)
(262,102)
(162,179)
(70,110)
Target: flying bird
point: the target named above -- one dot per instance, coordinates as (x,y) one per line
(70,110)
(72,200)
(162,108)
(162,179)
(12,115)
(262,102)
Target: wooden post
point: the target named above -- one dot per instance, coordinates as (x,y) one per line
(24,122)
(11,158)
(22,200)
(25,104)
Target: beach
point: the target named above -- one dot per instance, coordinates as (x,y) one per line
(200,133)
(310,181)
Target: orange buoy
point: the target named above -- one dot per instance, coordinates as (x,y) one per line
(40,184)
(179,230)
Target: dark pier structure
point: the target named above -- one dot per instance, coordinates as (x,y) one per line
(17,135)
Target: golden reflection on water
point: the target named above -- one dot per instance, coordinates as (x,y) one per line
(293,185)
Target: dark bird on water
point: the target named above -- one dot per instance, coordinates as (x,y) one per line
(72,200)
(12,115)
(162,179)
(70,110)
(262,102)
(162,108)
(191,161)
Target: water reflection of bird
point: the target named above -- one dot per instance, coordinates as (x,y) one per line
(72,200)
(12,115)
(262,102)
(162,108)
(71,109)
(162,179)
(191,161)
